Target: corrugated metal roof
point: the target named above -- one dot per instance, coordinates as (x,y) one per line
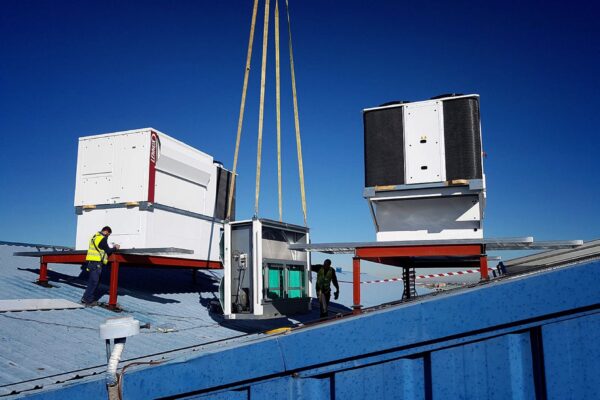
(588,251)
(516,337)
(41,347)
(37,344)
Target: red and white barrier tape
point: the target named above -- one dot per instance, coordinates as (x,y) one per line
(429,276)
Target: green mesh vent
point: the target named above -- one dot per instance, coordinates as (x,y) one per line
(295,283)
(275,276)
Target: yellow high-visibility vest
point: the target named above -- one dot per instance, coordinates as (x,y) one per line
(95,253)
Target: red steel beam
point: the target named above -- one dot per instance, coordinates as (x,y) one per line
(136,259)
(419,251)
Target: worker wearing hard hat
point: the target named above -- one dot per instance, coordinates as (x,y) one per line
(97,256)
(325,277)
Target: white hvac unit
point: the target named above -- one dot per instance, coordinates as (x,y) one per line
(424,170)
(262,277)
(152,190)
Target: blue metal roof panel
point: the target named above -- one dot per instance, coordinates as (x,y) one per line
(463,344)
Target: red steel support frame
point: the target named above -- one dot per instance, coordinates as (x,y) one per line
(391,255)
(356,306)
(116,259)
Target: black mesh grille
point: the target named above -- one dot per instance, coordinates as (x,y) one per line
(384,147)
(462,138)
(223,182)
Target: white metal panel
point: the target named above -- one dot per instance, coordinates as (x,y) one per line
(257,268)
(176,192)
(227,271)
(126,224)
(94,171)
(132,167)
(424,150)
(309,274)
(112,169)
(133,228)
(429,219)
(167,229)
(184,161)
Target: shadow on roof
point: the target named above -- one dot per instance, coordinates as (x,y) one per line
(142,283)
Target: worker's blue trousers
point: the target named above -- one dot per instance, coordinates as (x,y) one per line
(94,269)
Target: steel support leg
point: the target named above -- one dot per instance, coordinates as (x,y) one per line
(356,285)
(43,280)
(483,268)
(114,285)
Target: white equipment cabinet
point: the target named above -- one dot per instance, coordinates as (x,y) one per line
(152,190)
(263,277)
(424,175)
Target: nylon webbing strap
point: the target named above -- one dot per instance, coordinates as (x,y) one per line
(296,119)
(278,107)
(242,107)
(261,110)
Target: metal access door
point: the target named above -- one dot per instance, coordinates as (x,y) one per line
(424,151)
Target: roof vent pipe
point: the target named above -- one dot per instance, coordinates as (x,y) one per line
(117,329)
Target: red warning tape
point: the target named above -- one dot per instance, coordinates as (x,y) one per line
(429,276)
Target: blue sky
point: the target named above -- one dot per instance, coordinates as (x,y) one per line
(75,68)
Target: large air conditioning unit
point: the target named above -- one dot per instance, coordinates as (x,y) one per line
(152,190)
(424,175)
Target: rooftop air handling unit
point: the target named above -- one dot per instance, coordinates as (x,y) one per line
(152,190)
(424,175)
(263,278)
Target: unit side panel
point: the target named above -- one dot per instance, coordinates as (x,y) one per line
(210,196)
(112,169)
(132,163)
(423,143)
(462,133)
(168,229)
(429,218)
(126,224)
(384,147)
(242,263)
(95,175)
(184,162)
(176,192)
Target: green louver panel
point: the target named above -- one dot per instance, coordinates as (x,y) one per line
(275,279)
(295,283)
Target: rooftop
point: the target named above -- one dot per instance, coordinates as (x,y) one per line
(48,347)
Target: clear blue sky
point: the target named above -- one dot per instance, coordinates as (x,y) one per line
(70,69)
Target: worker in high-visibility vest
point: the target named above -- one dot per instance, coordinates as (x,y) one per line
(97,256)
(325,277)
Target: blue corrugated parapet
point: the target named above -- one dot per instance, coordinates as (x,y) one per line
(525,337)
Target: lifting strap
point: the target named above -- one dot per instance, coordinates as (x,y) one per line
(242,107)
(278,108)
(296,119)
(261,109)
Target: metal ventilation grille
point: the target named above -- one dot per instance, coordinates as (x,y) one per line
(462,137)
(223,181)
(384,147)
